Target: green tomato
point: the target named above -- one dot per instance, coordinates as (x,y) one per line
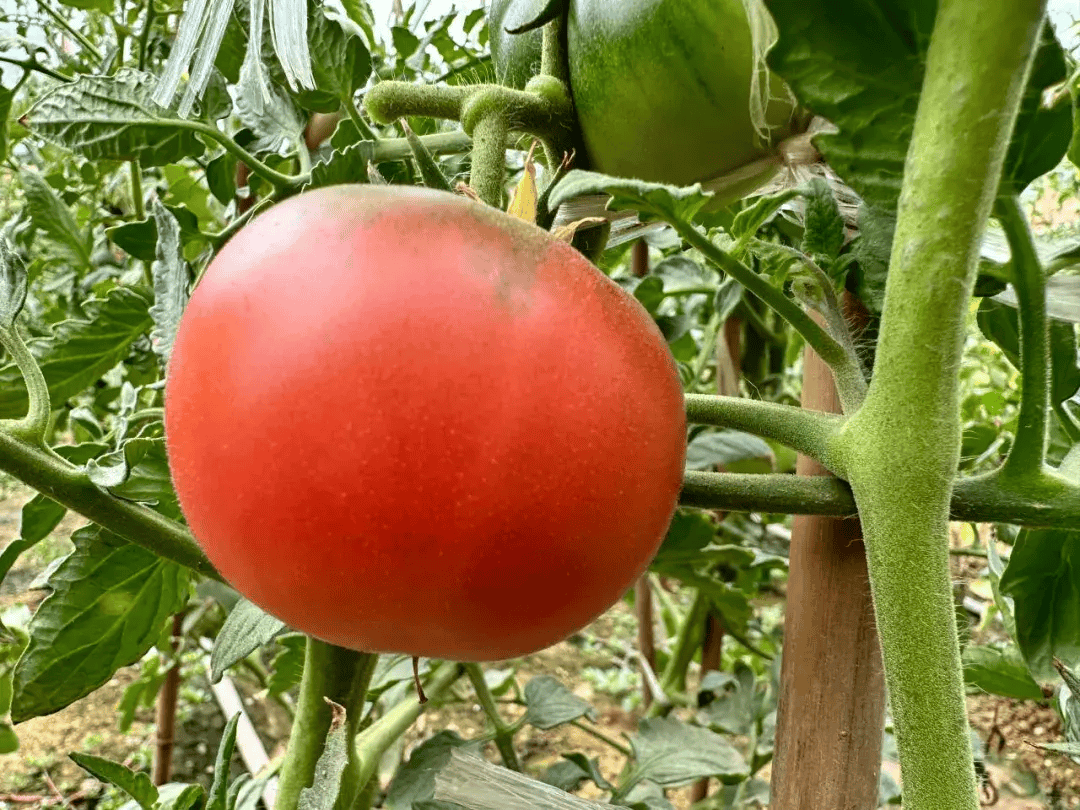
(662,87)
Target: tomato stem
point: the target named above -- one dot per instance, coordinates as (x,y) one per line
(339,675)
(902,447)
(1028,453)
(504,733)
(489,158)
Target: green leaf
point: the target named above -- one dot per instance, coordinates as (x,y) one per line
(40,515)
(170,273)
(12,284)
(861,67)
(1065,373)
(999,671)
(999,323)
(140,238)
(871,249)
(823,231)
(113,118)
(711,449)
(287,668)
(245,630)
(80,351)
(1043,578)
(135,784)
(650,200)
(1041,136)
(9,740)
(731,709)
(104,6)
(109,602)
(339,62)
(759,213)
(349,165)
(1071,749)
(572,770)
(549,704)
(6,97)
(323,793)
(176,796)
(221,177)
(50,214)
(672,753)
(1074,144)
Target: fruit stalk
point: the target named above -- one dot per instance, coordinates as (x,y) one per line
(902,447)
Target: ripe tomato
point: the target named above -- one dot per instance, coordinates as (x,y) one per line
(402,421)
(662,88)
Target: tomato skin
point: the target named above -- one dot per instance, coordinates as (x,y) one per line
(401,421)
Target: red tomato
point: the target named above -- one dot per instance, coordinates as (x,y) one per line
(401,421)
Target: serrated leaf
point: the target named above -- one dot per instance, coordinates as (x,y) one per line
(181,797)
(109,602)
(349,165)
(758,213)
(221,177)
(273,117)
(53,218)
(79,352)
(170,273)
(135,784)
(548,703)
(140,238)
(12,284)
(415,780)
(287,668)
(872,249)
(672,753)
(114,118)
(245,630)
(823,229)
(998,671)
(323,793)
(650,200)
(340,63)
(1043,579)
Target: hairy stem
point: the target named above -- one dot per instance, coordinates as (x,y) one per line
(903,445)
(339,675)
(1028,453)
(34,427)
(504,733)
(489,158)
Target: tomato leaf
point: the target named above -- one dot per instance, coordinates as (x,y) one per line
(672,753)
(349,165)
(1043,578)
(288,664)
(137,471)
(49,213)
(140,238)
(245,630)
(871,250)
(113,118)
(572,770)
(548,703)
(170,273)
(80,351)
(823,231)
(40,515)
(221,177)
(719,448)
(650,200)
(109,602)
(999,671)
(340,63)
(135,784)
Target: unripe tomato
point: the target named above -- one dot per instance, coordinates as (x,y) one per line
(402,421)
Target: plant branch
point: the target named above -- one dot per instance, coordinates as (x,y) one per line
(34,427)
(850,382)
(809,432)
(75,32)
(70,486)
(33,64)
(339,675)
(902,447)
(144,36)
(504,733)
(373,741)
(1027,456)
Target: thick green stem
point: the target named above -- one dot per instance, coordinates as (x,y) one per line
(809,432)
(34,427)
(373,741)
(339,675)
(31,64)
(903,445)
(1028,453)
(489,158)
(850,382)
(137,189)
(504,733)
